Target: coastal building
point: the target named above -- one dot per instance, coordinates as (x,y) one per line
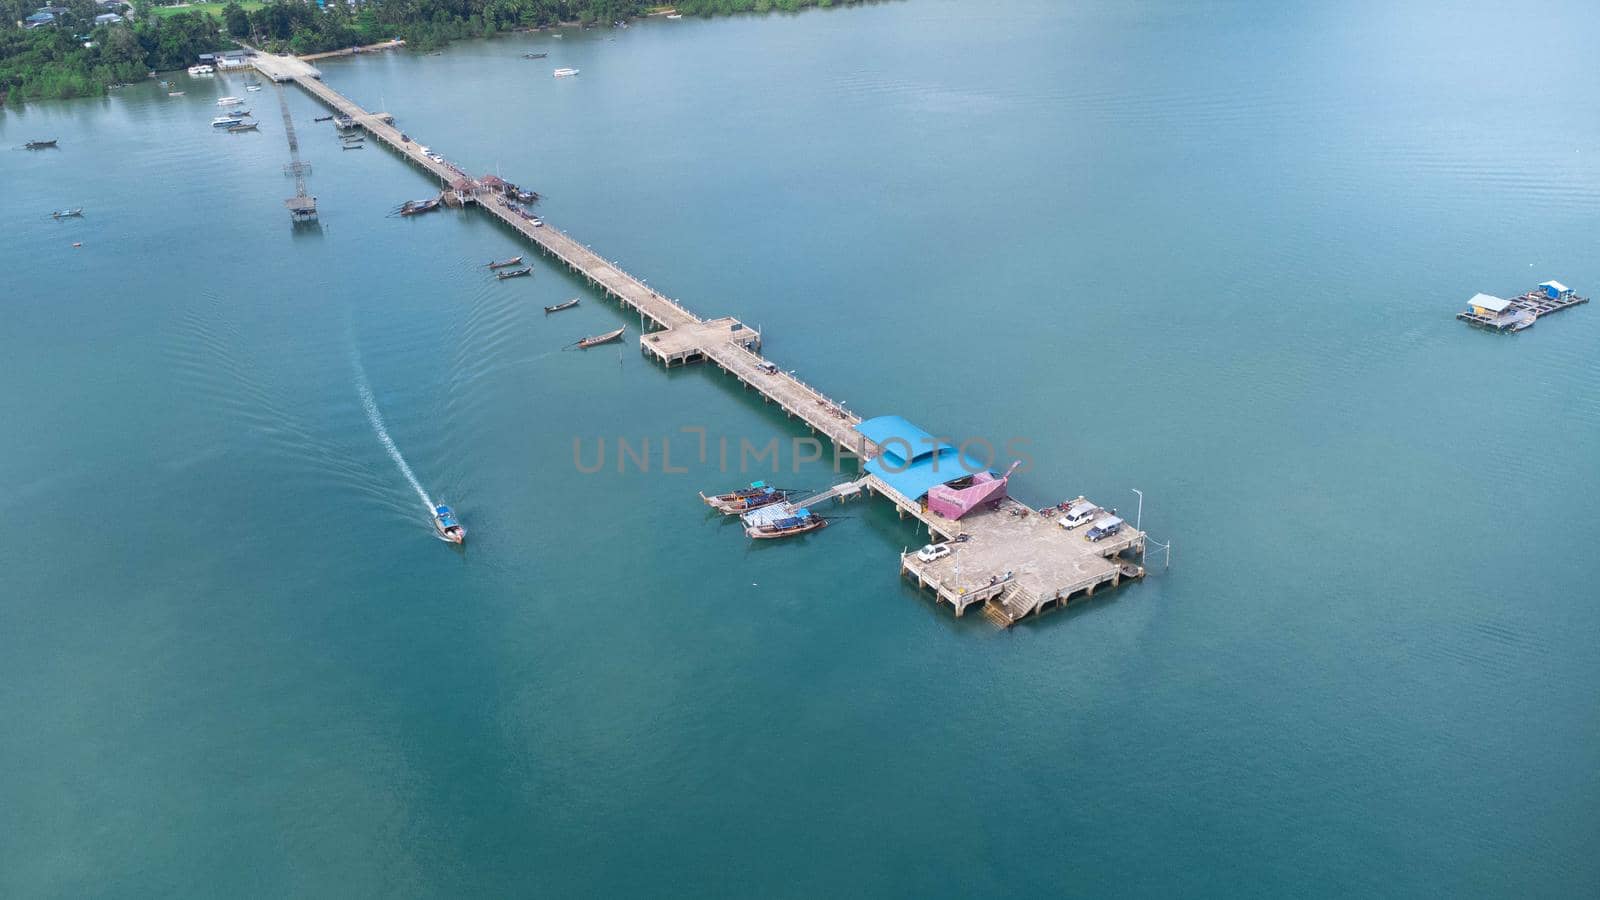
(1555,290)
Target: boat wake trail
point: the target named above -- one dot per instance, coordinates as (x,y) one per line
(376,418)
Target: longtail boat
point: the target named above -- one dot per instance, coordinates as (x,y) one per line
(606,338)
(41,145)
(514,273)
(515,260)
(801,522)
(560,306)
(416,207)
(757,495)
(323,119)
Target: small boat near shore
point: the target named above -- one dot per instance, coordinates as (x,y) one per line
(513,261)
(323,119)
(802,521)
(224,121)
(41,145)
(202,70)
(229,101)
(415,207)
(242,127)
(252,87)
(514,273)
(563,305)
(756,496)
(448,526)
(597,340)
(74,213)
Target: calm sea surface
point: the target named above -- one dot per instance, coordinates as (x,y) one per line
(1211,251)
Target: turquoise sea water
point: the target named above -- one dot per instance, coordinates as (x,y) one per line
(1208,251)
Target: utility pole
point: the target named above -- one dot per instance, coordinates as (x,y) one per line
(1138,521)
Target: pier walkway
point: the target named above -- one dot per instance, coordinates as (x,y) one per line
(1012,559)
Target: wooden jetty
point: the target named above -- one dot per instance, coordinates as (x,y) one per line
(1014,561)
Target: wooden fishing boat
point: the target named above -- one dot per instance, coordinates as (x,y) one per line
(598,339)
(563,305)
(759,494)
(417,207)
(801,522)
(514,273)
(513,261)
(41,145)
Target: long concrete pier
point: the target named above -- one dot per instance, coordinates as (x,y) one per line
(1015,561)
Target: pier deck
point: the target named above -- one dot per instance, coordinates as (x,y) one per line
(1016,564)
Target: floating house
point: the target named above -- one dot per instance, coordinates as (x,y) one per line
(1517,313)
(1555,290)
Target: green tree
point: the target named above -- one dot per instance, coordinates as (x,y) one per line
(236,20)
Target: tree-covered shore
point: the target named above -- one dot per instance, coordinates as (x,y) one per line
(76,58)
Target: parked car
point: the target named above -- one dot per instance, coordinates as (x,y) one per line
(1079,512)
(1103,528)
(933,552)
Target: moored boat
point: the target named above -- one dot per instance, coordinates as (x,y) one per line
(514,273)
(229,101)
(416,207)
(756,496)
(323,119)
(567,304)
(448,526)
(534,55)
(515,260)
(598,339)
(242,127)
(201,70)
(41,145)
(802,521)
(224,121)
(252,87)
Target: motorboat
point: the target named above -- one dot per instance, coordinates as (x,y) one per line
(565,72)
(448,526)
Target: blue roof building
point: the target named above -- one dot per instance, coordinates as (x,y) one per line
(911,460)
